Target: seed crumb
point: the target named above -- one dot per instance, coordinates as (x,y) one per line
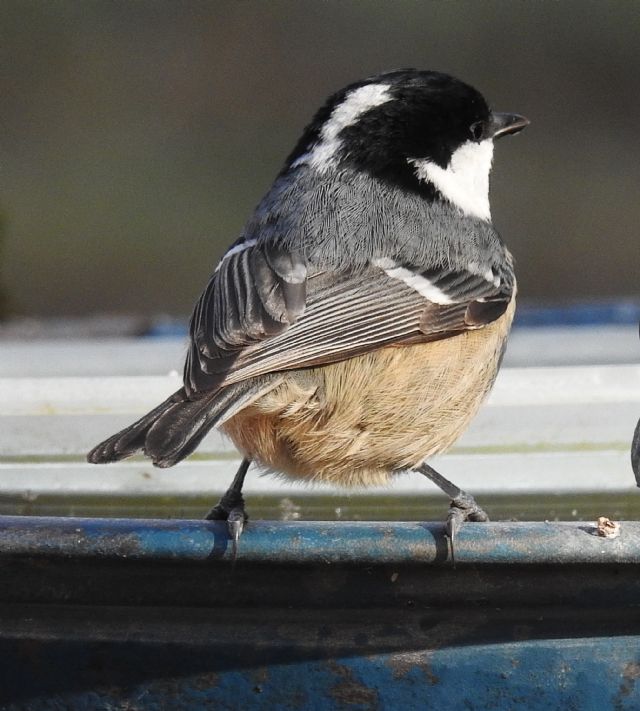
(607,528)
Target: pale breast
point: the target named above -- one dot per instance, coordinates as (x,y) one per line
(356,422)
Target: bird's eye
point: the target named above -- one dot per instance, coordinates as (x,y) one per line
(477,130)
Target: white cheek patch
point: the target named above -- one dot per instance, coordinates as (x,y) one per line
(465,181)
(324,154)
(417,282)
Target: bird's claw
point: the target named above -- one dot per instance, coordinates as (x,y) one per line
(236,518)
(463,508)
(235,525)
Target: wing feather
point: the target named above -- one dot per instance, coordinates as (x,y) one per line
(264,311)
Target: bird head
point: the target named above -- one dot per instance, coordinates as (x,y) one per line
(422,130)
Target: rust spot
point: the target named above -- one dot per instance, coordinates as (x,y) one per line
(349,690)
(402,664)
(127,545)
(630,673)
(432,678)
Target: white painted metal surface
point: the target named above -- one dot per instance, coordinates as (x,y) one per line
(515,387)
(56,357)
(507,473)
(561,429)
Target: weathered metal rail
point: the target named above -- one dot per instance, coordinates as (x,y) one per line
(143,614)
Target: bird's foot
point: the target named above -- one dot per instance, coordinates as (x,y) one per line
(463,508)
(230,508)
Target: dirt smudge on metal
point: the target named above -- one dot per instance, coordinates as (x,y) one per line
(349,690)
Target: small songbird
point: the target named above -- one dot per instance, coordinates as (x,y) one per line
(354,328)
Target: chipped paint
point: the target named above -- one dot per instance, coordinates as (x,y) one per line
(402,665)
(348,690)
(561,675)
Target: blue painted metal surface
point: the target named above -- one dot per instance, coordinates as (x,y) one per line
(567,674)
(125,614)
(322,542)
(592,313)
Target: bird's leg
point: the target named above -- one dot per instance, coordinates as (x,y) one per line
(463,506)
(230,508)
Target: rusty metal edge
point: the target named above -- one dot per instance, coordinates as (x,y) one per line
(291,543)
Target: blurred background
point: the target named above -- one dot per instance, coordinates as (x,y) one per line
(138,136)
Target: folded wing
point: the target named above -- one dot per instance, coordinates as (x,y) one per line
(266,310)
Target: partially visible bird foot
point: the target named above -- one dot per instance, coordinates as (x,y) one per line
(230,508)
(463,508)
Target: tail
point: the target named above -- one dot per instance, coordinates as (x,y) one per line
(174,429)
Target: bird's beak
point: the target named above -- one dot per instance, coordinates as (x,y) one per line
(502,124)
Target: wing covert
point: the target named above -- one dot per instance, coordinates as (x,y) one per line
(265,310)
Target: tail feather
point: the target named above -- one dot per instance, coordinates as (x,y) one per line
(174,429)
(131,439)
(178,431)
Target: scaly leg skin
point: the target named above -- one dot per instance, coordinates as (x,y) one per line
(463,506)
(230,508)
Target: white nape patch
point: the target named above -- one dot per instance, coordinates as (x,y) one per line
(324,154)
(417,282)
(234,250)
(465,181)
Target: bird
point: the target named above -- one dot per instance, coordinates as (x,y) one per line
(354,328)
